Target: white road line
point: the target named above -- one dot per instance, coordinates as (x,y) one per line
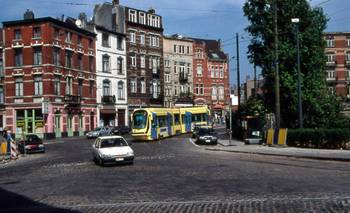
(58,142)
(194,143)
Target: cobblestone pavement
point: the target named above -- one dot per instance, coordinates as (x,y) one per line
(171,175)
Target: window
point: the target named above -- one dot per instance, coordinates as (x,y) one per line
(91,64)
(143,86)
(1,67)
(154,90)
(18,57)
(347,74)
(167,78)
(56,56)
(142,18)
(69,37)
(19,86)
(80,61)
(154,65)
(196,89)
(330,74)
(167,63)
(18,34)
(221,72)
(57,85)
(132,37)
(91,44)
(133,60)
(188,69)
(330,41)
(91,88)
(105,63)
(80,87)
(133,85)
(69,57)
(175,68)
(37,56)
(36,32)
(120,43)
(330,58)
(120,65)
(213,93)
(199,53)
(201,89)
(199,70)
(221,93)
(142,39)
(188,49)
(347,56)
(121,92)
(331,90)
(38,85)
(132,16)
(57,33)
(106,88)
(175,48)
(348,41)
(212,72)
(142,61)
(1,95)
(105,40)
(79,41)
(69,86)
(216,72)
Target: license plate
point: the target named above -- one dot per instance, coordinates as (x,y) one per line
(207,141)
(119,159)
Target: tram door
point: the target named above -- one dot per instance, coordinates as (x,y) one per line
(188,121)
(154,125)
(170,123)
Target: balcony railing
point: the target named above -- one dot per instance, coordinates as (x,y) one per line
(108,99)
(72,100)
(347,63)
(331,63)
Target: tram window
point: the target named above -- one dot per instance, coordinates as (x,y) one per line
(162,121)
(171,120)
(196,118)
(204,117)
(177,119)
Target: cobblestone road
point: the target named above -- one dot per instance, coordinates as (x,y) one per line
(171,176)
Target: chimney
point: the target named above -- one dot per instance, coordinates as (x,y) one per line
(151,11)
(28,15)
(115,2)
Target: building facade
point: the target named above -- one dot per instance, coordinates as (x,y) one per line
(144,48)
(178,67)
(211,76)
(2,93)
(111,73)
(50,77)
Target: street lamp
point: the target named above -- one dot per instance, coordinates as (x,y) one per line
(295,21)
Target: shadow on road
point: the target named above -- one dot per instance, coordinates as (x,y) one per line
(12,202)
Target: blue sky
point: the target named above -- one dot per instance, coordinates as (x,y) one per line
(210,19)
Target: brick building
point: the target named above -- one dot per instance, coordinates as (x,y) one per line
(144,49)
(211,75)
(50,77)
(2,105)
(178,77)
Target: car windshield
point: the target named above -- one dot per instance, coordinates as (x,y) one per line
(206,131)
(114,142)
(32,139)
(97,129)
(139,119)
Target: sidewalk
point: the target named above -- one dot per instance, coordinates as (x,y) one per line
(319,154)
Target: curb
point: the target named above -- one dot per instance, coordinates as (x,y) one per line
(281,155)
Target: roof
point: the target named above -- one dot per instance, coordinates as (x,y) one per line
(110,137)
(1,38)
(336,33)
(68,24)
(213,48)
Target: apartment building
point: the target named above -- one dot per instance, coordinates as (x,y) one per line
(50,77)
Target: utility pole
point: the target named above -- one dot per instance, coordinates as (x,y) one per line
(277,77)
(230,117)
(255,86)
(238,74)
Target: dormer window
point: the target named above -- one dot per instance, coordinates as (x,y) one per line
(132,16)
(105,40)
(69,37)
(142,18)
(348,41)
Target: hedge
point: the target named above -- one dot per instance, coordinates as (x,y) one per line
(318,138)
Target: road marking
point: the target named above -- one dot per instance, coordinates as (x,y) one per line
(58,142)
(194,143)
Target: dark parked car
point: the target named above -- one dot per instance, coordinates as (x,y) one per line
(120,130)
(196,128)
(31,143)
(206,135)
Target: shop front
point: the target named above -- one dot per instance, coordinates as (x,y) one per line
(29,121)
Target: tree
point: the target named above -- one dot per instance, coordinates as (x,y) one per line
(318,105)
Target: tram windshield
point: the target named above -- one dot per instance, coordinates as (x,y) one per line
(139,119)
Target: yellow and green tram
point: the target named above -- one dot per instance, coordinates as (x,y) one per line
(156,123)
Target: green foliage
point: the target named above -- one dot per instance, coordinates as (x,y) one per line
(319,107)
(318,138)
(253,107)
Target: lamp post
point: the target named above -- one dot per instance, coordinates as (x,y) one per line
(300,108)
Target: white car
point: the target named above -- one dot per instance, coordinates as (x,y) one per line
(112,149)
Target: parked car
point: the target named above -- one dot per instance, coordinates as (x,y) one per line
(112,149)
(99,131)
(206,135)
(196,127)
(31,143)
(120,130)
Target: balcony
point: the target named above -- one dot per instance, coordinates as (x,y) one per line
(36,42)
(156,73)
(331,63)
(108,99)
(347,63)
(17,44)
(72,100)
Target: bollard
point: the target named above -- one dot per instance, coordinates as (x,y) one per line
(14,150)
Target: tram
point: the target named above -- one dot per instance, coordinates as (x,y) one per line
(156,123)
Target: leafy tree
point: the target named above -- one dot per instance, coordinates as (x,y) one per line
(319,107)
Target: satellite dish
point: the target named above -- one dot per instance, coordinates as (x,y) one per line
(78,23)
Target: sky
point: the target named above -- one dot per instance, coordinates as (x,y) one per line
(207,19)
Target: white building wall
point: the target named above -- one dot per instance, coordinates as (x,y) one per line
(113,76)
